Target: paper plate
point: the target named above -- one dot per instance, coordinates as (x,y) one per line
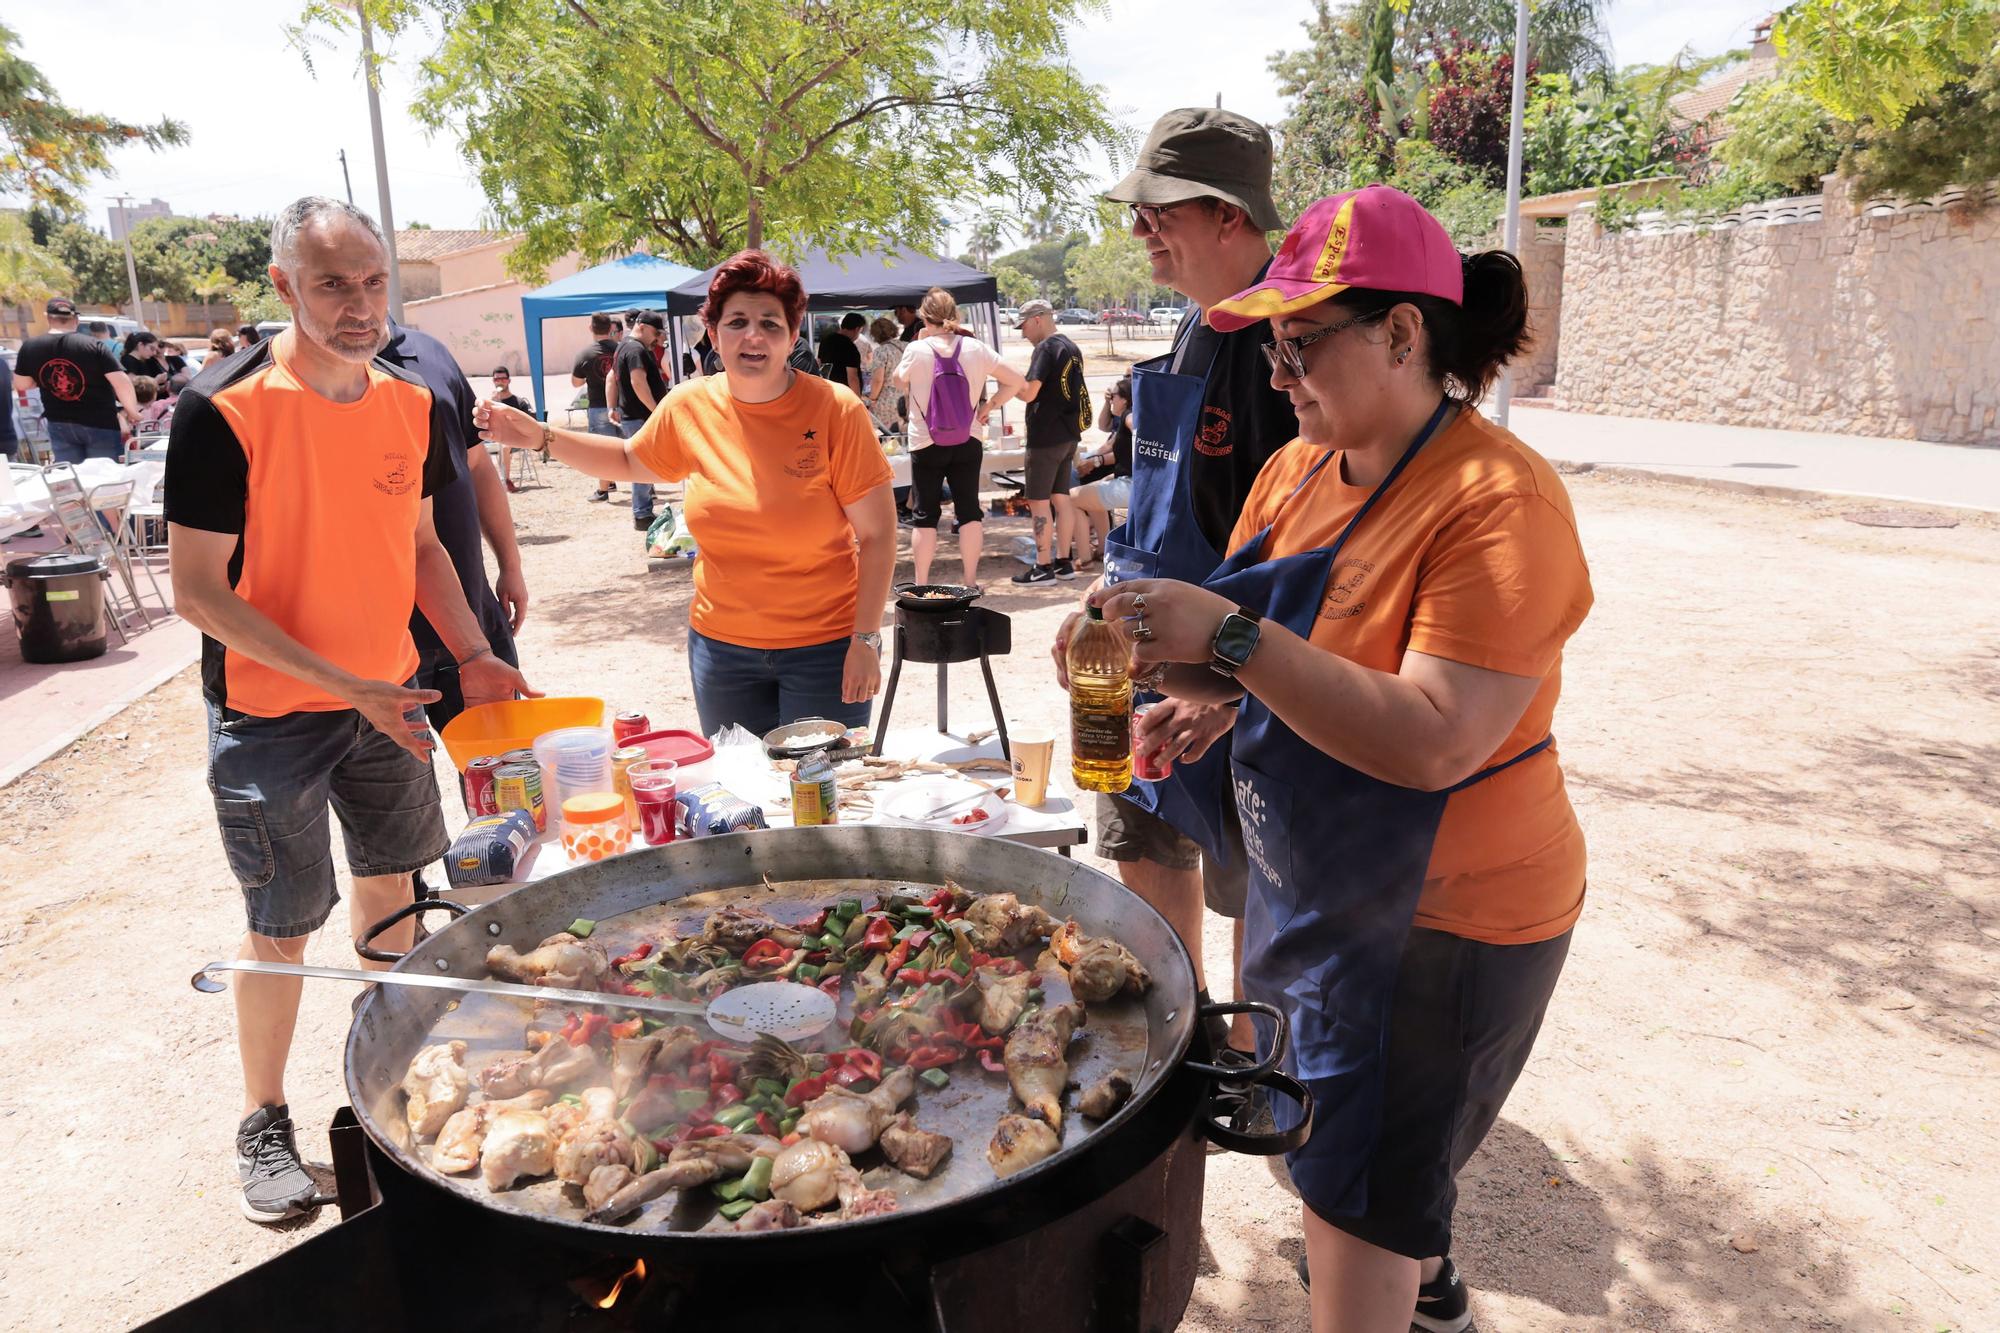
(911,798)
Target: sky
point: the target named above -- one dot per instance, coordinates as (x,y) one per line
(250,151)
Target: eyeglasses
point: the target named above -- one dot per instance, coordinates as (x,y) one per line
(1289,353)
(1146,217)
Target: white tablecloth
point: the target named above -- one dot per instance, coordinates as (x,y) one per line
(995,460)
(1056,823)
(28,506)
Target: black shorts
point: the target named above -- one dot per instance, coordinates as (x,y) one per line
(931,468)
(1128,832)
(1463,1024)
(1049,470)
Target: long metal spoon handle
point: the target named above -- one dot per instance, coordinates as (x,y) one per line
(204,981)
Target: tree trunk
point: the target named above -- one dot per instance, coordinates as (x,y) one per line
(753,231)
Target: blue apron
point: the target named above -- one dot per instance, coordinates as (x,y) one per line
(1160,539)
(1337,860)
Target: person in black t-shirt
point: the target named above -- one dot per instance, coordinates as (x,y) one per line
(82,387)
(840,352)
(1104,475)
(589,373)
(142,357)
(640,387)
(1056,400)
(503,393)
(913,327)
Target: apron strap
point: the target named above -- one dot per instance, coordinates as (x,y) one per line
(1485,773)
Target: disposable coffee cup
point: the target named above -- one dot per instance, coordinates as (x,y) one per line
(1034,751)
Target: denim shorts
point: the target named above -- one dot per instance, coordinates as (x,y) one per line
(273,778)
(762,689)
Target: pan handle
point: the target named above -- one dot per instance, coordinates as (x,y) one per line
(421,905)
(1243,1073)
(1226,1134)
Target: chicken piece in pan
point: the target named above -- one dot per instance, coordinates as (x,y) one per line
(689,1165)
(1101,1100)
(1019,1142)
(519,1145)
(605,1182)
(555,1066)
(458,1143)
(914,1152)
(999,999)
(633,1058)
(853,1121)
(807,1174)
(737,928)
(1098,968)
(595,1139)
(435,1087)
(770,1215)
(560,960)
(1036,1064)
(1001,923)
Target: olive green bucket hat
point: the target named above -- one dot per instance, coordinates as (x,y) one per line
(1204,153)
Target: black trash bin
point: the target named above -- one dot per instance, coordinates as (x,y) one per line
(59,606)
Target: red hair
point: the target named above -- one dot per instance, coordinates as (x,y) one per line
(755,271)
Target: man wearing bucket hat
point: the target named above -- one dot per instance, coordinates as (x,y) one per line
(1392,618)
(1204,419)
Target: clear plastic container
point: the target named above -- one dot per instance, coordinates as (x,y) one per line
(594,826)
(574,760)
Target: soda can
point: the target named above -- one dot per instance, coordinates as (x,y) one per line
(622,760)
(519,787)
(627,725)
(512,757)
(1144,767)
(478,785)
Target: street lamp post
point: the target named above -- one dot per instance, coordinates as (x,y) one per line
(131,266)
(1511,238)
(388,218)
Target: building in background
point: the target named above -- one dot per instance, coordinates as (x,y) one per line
(131,215)
(456,288)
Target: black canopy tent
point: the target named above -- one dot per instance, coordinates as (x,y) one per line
(879,280)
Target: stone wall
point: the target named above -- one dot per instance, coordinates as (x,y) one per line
(1877,322)
(1542,266)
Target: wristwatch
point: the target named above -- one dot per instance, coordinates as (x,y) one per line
(1235,639)
(873,638)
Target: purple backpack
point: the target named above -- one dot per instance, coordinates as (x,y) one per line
(949,412)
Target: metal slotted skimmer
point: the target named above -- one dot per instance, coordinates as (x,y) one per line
(784,1009)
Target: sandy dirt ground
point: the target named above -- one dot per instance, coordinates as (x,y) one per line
(1764,1098)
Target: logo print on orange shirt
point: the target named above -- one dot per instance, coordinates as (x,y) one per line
(808,460)
(1212,436)
(397,479)
(1341,585)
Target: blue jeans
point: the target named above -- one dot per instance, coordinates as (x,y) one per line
(761,689)
(600,421)
(642,492)
(73,442)
(273,778)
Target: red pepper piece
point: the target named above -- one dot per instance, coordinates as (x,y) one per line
(791,1138)
(941,899)
(766,1125)
(631,1027)
(989,1064)
(766,953)
(569,1029)
(817,956)
(831,986)
(643,951)
(707,1132)
(868,1061)
(897,957)
(814,924)
(805,1090)
(701,1115)
(725,1093)
(721,1069)
(911,976)
(881,931)
(932,1057)
(849,1075)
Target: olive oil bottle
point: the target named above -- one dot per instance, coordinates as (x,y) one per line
(1100,706)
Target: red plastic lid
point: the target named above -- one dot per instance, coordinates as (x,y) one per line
(682,747)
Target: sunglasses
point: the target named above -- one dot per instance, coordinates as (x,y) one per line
(1146,217)
(1288,354)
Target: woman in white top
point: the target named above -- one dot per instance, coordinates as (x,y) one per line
(933,464)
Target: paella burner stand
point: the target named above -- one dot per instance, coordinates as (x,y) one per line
(965,634)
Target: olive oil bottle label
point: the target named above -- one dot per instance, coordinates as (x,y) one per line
(1101,736)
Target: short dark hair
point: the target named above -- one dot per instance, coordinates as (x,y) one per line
(97,326)
(600,324)
(498,371)
(852,320)
(250,331)
(1470,342)
(754,271)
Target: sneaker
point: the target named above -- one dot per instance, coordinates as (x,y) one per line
(642,522)
(599,497)
(1063,569)
(1036,574)
(276,1185)
(1441,1303)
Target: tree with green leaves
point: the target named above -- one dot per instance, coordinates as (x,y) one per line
(605,125)
(1109,271)
(28,272)
(1045,265)
(49,150)
(1015,286)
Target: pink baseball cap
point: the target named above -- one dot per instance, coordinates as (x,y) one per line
(1376,238)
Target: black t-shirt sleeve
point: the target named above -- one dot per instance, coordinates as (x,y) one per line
(440,463)
(208,474)
(1041,365)
(585,363)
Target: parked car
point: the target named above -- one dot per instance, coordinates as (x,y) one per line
(1009,316)
(1166,314)
(1076,315)
(1121,316)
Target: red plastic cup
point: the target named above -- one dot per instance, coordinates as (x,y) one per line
(654,786)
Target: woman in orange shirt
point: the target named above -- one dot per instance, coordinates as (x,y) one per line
(1404,578)
(788,501)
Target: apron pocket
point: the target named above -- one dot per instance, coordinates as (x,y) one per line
(1264,808)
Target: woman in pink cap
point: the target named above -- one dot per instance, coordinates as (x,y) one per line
(1404,578)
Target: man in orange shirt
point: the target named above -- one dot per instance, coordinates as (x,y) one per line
(298,498)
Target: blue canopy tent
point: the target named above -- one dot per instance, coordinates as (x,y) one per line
(878,280)
(636,282)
